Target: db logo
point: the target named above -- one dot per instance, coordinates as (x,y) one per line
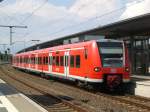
(113,70)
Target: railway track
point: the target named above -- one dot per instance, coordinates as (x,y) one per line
(60,105)
(133,103)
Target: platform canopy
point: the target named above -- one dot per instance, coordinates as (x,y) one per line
(139,26)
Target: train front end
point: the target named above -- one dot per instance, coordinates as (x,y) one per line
(114,62)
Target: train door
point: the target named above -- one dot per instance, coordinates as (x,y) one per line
(66,63)
(50,62)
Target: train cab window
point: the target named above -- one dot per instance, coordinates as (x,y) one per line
(71,61)
(54,60)
(57,60)
(78,61)
(61,61)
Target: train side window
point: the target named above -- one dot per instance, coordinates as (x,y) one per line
(20,59)
(54,60)
(24,59)
(77,61)
(39,60)
(71,61)
(61,61)
(43,60)
(85,53)
(36,60)
(50,60)
(33,60)
(46,60)
(57,60)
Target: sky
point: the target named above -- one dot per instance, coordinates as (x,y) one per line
(51,19)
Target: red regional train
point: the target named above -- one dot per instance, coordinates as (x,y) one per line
(95,61)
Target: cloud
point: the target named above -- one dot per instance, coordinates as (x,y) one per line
(41,24)
(49,21)
(90,8)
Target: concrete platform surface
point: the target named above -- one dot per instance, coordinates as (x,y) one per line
(140,77)
(13,101)
(141,85)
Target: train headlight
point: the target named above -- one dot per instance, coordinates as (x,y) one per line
(97,69)
(126,69)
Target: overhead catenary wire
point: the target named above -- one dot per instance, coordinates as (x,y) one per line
(94,18)
(53,22)
(32,13)
(24,20)
(16,10)
(35,10)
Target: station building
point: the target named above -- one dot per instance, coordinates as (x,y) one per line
(134,31)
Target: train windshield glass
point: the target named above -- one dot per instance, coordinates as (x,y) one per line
(111,54)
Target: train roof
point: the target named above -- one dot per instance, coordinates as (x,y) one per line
(75,45)
(68,45)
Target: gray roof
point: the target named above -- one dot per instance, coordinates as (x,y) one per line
(139,25)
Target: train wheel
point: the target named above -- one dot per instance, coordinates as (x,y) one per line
(42,75)
(47,76)
(80,83)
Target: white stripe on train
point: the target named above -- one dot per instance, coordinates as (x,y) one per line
(69,76)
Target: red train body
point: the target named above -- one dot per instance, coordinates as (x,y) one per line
(101,61)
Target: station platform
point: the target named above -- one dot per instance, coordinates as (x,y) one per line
(140,85)
(13,101)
